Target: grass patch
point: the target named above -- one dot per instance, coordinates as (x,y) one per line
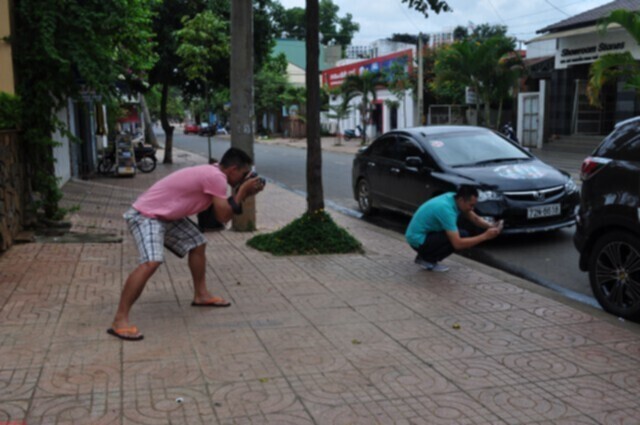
(313,233)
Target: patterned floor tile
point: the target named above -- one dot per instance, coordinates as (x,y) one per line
(401,330)
(592,395)
(346,336)
(249,398)
(179,405)
(413,380)
(23,355)
(282,418)
(300,287)
(294,337)
(630,348)
(13,410)
(516,319)
(444,347)
(165,339)
(211,341)
(627,380)
(61,378)
(469,322)
(497,342)
(597,359)
(382,313)
(619,417)
(302,361)
(335,388)
(553,337)
(540,366)
(477,372)
(275,319)
(606,333)
(99,409)
(523,404)
(151,374)
(83,322)
(478,304)
(562,315)
(362,298)
(333,316)
(26,309)
(18,384)
(574,420)
(238,366)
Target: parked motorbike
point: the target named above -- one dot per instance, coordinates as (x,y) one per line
(353,133)
(509,133)
(146,160)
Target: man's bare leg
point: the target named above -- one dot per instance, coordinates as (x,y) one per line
(131,292)
(198,266)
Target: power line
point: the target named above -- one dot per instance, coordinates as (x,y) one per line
(556,7)
(496,10)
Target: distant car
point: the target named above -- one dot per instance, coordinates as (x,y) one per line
(191,129)
(206,130)
(404,168)
(608,228)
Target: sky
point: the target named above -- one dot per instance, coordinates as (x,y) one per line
(382,18)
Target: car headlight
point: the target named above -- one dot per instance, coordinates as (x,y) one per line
(570,186)
(489,195)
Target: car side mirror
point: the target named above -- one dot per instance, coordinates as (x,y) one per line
(413,162)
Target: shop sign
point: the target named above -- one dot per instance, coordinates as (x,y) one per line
(334,77)
(586,49)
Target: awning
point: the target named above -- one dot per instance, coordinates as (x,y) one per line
(572,33)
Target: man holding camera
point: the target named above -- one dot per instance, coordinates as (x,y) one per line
(433,231)
(158,219)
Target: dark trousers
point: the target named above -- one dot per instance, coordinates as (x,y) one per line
(437,246)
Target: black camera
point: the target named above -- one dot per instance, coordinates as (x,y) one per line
(253,174)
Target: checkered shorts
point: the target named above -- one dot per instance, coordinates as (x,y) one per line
(150,234)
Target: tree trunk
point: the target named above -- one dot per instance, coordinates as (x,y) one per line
(364,119)
(487,113)
(149,135)
(242,107)
(168,128)
(315,195)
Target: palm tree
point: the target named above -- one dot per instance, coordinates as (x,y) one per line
(364,85)
(340,112)
(611,65)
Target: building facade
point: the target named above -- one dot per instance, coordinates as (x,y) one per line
(559,60)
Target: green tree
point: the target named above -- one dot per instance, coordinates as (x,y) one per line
(270,85)
(333,28)
(398,82)
(203,40)
(63,48)
(366,86)
(339,112)
(612,65)
(409,38)
(477,65)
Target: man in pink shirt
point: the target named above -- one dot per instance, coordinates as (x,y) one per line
(158,219)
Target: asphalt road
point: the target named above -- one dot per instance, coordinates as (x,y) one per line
(548,259)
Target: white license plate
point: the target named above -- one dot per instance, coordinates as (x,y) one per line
(543,211)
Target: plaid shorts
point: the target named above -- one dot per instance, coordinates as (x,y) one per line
(150,234)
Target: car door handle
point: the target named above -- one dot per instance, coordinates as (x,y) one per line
(371,164)
(395,170)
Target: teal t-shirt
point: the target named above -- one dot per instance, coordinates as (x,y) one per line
(436,215)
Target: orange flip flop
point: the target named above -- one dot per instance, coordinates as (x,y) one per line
(129,333)
(212,302)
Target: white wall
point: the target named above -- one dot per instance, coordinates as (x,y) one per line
(539,49)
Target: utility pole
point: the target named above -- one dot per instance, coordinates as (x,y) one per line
(420,82)
(242,110)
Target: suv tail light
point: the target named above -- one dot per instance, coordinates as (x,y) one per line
(592,165)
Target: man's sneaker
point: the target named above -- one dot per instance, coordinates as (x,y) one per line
(432,267)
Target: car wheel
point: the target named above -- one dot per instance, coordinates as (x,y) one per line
(365,202)
(614,274)
(105,166)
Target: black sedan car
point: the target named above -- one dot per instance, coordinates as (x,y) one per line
(404,168)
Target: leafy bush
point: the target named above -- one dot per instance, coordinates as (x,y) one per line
(313,233)
(9,111)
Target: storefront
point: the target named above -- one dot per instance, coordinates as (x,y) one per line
(387,112)
(579,43)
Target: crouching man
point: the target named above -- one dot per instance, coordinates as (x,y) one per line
(158,218)
(433,231)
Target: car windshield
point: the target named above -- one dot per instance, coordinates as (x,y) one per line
(468,149)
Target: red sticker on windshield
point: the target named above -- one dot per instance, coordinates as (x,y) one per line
(437,144)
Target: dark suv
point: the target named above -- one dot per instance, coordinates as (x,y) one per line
(608,224)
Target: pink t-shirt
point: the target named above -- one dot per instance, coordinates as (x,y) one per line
(183,193)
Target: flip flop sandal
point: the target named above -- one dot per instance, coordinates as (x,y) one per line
(212,302)
(128,334)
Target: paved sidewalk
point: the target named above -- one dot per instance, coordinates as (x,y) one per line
(337,339)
